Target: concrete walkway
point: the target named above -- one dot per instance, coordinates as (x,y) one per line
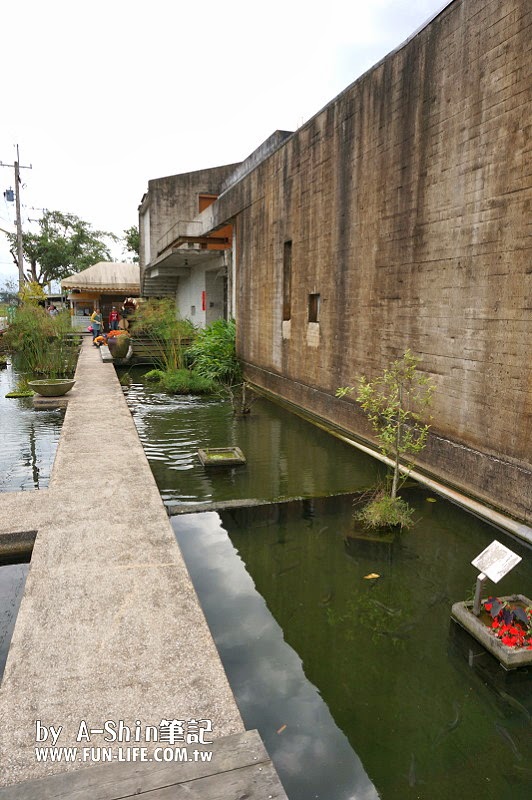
(109,627)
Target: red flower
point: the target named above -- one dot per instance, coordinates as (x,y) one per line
(488,606)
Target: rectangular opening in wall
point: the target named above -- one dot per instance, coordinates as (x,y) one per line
(287,281)
(313,308)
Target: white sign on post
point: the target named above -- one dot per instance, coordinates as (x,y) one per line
(496,561)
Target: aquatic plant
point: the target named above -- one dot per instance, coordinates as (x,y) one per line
(40,343)
(157,320)
(154,375)
(185,381)
(213,355)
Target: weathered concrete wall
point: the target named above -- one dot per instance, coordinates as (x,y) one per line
(174,198)
(407,201)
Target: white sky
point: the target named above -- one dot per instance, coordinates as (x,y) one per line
(99,102)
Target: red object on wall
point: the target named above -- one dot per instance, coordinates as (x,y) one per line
(203,301)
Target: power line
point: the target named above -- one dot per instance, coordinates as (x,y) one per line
(20,256)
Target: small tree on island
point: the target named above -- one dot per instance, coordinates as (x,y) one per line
(393,403)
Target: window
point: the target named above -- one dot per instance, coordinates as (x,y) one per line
(313,308)
(287,281)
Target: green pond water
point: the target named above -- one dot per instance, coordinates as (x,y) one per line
(360,688)
(28,439)
(286,456)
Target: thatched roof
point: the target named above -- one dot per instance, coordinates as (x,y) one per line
(106,276)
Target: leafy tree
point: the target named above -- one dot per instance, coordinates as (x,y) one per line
(394,403)
(131,239)
(65,244)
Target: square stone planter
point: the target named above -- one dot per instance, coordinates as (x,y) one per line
(221,456)
(509,657)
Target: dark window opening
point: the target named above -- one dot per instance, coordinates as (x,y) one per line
(313,308)
(287,281)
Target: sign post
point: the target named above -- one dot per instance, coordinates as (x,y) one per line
(495,562)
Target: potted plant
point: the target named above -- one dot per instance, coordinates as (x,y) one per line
(118,343)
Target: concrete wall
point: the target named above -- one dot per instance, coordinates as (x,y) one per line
(407,201)
(204,277)
(171,199)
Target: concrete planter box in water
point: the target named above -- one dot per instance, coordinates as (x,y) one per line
(52,387)
(221,456)
(509,657)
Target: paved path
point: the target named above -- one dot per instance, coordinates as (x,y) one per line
(109,627)
(239,768)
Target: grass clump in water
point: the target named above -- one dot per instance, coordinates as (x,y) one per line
(384,511)
(184,381)
(154,376)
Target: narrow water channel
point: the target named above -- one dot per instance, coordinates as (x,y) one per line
(28,439)
(287,457)
(360,687)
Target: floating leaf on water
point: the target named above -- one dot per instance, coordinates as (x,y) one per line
(431,500)
(281,729)
(371,576)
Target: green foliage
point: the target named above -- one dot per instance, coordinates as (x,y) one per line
(394,403)
(385,511)
(213,353)
(131,239)
(184,381)
(31,293)
(157,320)
(40,343)
(65,244)
(154,375)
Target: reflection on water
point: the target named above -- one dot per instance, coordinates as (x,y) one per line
(12,581)
(266,675)
(29,439)
(286,456)
(368,675)
(359,687)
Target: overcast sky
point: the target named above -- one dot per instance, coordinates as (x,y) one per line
(99,102)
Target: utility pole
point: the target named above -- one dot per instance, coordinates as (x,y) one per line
(20,256)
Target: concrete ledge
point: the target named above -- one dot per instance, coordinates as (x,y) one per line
(105,353)
(509,657)
(109,627)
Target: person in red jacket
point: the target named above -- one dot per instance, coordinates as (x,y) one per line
(113,319)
